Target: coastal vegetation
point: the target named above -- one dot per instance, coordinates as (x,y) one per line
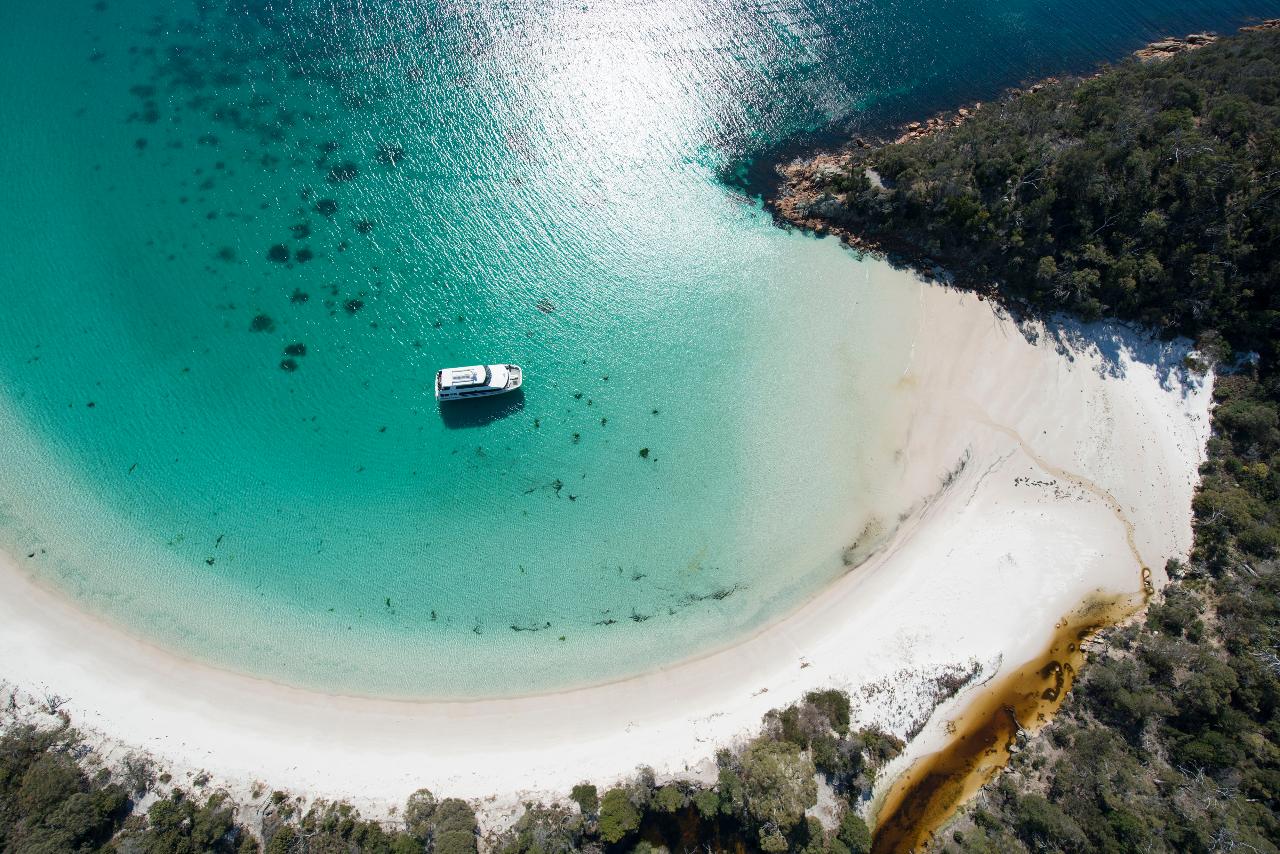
(763,798)
(54,797)
(1146,192)
(1149,192)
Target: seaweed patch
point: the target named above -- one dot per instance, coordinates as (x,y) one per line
(343,172)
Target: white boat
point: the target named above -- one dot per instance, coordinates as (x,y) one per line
(477,381)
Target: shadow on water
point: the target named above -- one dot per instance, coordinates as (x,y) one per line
(461,414)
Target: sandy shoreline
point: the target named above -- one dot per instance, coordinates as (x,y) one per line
(1065,443)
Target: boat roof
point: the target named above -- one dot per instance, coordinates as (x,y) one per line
(471,375)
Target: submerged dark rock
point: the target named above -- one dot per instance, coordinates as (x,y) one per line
(296,349)
(353,305)
(289,365)
(343,172)
(278,253)
(299,296)
(390,154)
(326,207)
(262,323)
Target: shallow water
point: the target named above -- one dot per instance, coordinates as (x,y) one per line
(240,239)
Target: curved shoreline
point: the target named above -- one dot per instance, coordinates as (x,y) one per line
(1098,401)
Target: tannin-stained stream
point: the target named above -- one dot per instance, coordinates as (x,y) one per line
(984,733)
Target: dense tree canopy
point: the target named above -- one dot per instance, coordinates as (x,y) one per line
(47,801)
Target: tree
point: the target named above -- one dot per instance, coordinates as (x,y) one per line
(669,799)
(618,816)
(778,781)
(586,797)
(1041,825)
(453,828)
(543,830)
(284,841)
(179,825)
(707,803)
(418,811)
(853,833)
(834,705)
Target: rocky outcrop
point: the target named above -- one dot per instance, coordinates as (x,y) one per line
(805,198)
(1166,48)
(1271,24)
(940,122)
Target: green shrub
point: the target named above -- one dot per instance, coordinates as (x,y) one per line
(778,781)
(834,705)
(1041,825)
(707,802)
(669,799)
(284,841)
(418,813)
(854,834)
(618,816)
(454,842)
(586,797)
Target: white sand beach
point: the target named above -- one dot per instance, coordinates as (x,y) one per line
(1068,442)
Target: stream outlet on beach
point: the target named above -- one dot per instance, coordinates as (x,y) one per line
(987,730)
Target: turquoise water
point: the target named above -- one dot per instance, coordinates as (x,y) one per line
(240,239)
